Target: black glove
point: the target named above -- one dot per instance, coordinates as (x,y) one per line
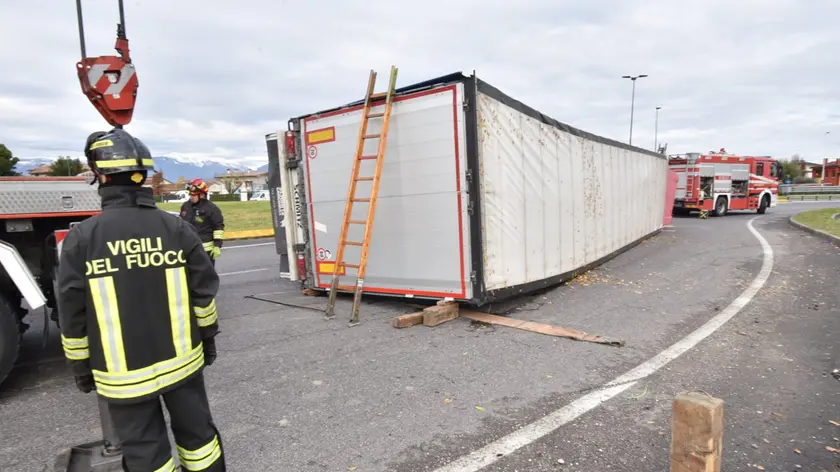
(210,351)
(85,383)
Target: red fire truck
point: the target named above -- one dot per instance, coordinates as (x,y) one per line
(718,182)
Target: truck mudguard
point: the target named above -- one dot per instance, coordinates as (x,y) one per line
(21,276)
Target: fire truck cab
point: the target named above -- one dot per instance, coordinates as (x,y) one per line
(718,182)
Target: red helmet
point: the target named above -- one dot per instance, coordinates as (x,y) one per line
(197,187)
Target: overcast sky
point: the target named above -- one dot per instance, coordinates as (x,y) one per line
(754,76)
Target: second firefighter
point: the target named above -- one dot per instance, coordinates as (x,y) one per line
(206,217)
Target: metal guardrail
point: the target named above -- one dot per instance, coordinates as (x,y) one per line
(808,189)
(813,197)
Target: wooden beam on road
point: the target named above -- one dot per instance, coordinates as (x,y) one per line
(696,433)
(539,328)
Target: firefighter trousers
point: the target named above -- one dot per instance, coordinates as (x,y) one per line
(141,429)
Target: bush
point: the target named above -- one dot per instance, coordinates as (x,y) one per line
(804,180)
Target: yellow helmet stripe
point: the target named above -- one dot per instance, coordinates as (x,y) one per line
(123,163)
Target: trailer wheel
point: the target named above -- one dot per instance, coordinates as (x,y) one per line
(720,206)
(765,202)
(9,338)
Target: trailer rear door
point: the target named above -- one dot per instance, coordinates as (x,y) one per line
(420,244)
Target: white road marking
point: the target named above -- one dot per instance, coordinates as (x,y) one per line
(242,272)
(506,445)
(246,245)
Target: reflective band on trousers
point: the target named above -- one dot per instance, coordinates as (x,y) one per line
(179,309)
(202,457)
(208,246)
(149,380)
(168,467)
(206,316)
(219,234)
(75,349)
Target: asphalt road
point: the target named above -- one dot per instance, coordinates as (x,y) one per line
(292,392)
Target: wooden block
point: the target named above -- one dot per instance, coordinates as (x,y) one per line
(410,319)
(445,310)
(696,433)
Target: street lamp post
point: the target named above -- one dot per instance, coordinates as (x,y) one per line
(633,99)
(656,131)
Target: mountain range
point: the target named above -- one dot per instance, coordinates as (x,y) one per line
(173,166)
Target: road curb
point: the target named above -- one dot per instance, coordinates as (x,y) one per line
(250,234)
(827,236)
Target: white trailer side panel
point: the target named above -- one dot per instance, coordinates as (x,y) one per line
(420,244)
(553,202)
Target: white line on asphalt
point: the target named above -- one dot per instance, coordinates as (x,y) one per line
(247,245)
(506,445)
(242,272)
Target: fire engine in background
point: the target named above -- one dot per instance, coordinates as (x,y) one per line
(36,213)
(718,182)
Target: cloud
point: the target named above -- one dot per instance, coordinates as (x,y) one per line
(756,77)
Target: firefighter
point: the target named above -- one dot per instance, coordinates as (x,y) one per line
(138,314)
(205,217)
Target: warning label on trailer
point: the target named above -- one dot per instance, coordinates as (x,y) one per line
(322,254)
(328,268)
(318,136)
(312,152)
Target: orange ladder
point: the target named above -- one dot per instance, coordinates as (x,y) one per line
(371,100)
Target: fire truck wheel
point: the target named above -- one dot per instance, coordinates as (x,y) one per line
(765,202)
(720,206)
(9,337)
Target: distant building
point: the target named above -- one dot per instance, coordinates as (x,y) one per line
(832,172)
(45,169)
(811,170)
(247,181)
(41,170)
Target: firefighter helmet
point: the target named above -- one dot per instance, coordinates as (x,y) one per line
(117,152)
(197,187)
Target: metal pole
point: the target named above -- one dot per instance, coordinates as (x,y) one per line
(656,132)
(109,435)
(81,28)
(632,106)
(633,100)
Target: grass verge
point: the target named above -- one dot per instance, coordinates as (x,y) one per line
(239,216)
(821,220)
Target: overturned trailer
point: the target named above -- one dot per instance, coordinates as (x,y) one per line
(481,196)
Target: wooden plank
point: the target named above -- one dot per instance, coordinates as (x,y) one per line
(696,433)
(441,313)
(410,319)
(539,328)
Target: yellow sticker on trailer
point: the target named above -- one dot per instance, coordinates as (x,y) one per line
(319,136)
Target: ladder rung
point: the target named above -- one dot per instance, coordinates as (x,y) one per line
(365,158)
(364,179)
(378,96)
(352,243)
(352,266)
(349,288)
(357,222)
(361,200)
(372,136)
(376,115)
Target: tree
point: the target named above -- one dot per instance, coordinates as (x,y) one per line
(791,168)
(65,165)
(231,183)
(7,162)
(157,182)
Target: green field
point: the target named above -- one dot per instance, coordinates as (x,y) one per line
(821,220)
(239,216)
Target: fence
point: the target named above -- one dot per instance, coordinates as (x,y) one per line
(808,189)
